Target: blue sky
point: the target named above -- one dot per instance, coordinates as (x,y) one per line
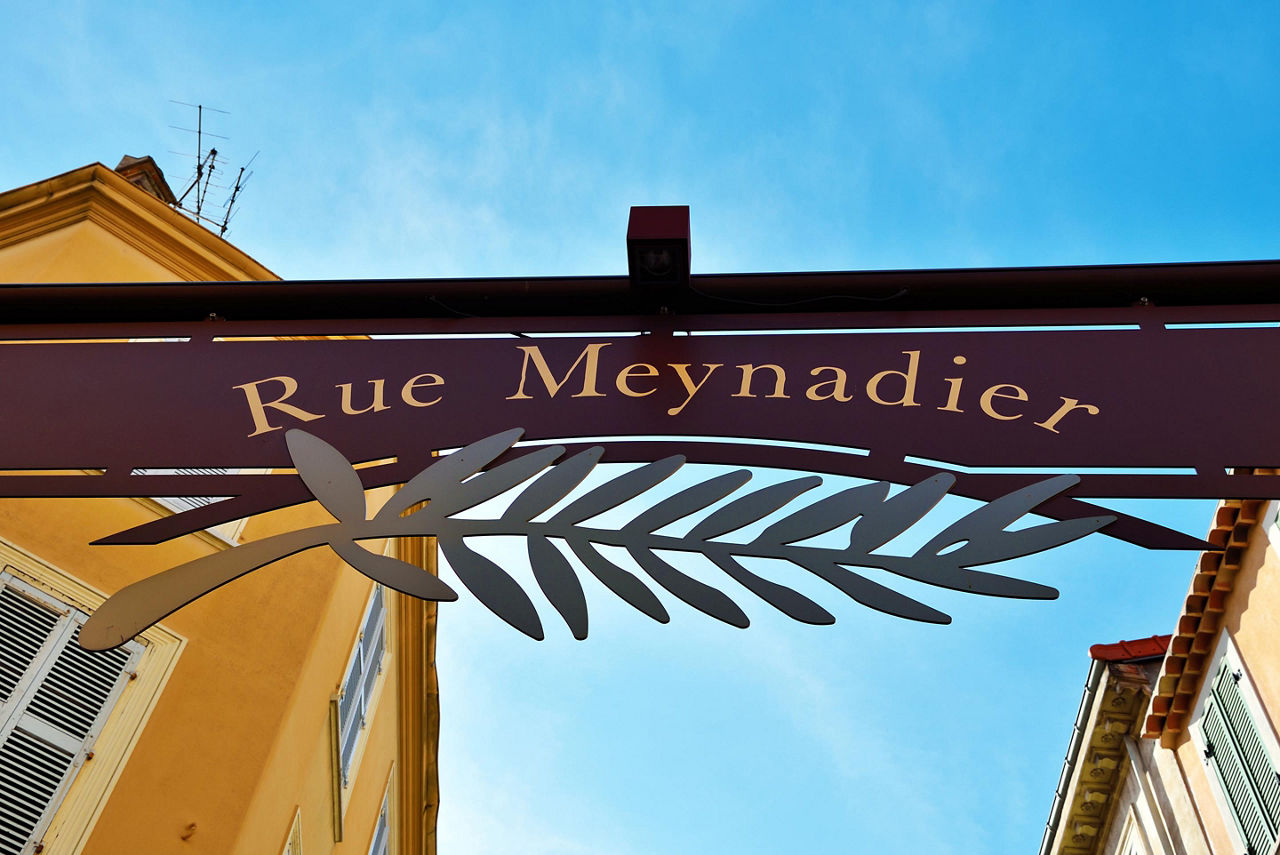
(423,140)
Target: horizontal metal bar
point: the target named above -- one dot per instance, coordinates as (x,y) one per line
(1179,284)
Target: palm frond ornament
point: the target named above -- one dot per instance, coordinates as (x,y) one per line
(459,482)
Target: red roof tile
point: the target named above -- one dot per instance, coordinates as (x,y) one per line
(1125,651)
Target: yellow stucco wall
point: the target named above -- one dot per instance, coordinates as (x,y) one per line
(1253,618)
(59,257)
(239,737)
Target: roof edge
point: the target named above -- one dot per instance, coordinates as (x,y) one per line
(1200,619)
(1131,651)
(98,193)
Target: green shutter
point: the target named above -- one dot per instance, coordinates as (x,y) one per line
(1241,762)
(1261,771)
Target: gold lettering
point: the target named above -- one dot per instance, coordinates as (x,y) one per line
(407,392)
(682,369)
(909,377)
(627,373)
(1068,404)
(376,406)
(953,396)
(748,371)
(258,409)
(591,353)
(837,384)
(1019,394)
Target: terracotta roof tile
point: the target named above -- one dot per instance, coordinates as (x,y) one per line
(1201,617)
(1127,651)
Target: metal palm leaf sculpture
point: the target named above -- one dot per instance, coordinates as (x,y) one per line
(459,482)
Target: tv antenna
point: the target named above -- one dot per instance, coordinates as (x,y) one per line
(195,198)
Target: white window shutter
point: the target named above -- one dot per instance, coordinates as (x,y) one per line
(350,713)
(32,772)
(372,632)
(360,677)
(372,637)
(25,629)
(55,702)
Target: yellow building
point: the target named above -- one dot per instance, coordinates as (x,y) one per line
(293,711)
(1206,779)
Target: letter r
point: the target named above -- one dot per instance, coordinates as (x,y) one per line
(258,409)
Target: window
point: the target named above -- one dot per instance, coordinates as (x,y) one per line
(54,698)
(293,846)
(1234,736)
(1132,841)
(351,706)
(381,844)
(358,682)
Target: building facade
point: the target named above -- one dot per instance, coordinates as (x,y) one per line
(1205,776)
(293,711)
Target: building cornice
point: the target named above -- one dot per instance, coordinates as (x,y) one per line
(1096,765)
(97,194)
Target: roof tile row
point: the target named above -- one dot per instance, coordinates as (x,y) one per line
(1201,617)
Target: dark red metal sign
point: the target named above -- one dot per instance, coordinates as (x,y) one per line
(892,396)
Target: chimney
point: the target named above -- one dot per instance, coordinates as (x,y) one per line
(143,172)
(658,251)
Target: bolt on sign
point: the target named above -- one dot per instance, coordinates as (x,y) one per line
(1027,406)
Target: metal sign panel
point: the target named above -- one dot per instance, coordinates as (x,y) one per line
(1127,399)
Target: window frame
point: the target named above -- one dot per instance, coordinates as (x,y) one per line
(1272,528)
(1133,839)
(382,827)
(17,714)
(293,843)
(73,822)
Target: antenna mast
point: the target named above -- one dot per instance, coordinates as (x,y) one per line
(206,164)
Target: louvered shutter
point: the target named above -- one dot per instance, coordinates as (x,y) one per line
(372,636)
(361,675)
(1242,764)
(349,712)
(1257,762)
(54,697)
